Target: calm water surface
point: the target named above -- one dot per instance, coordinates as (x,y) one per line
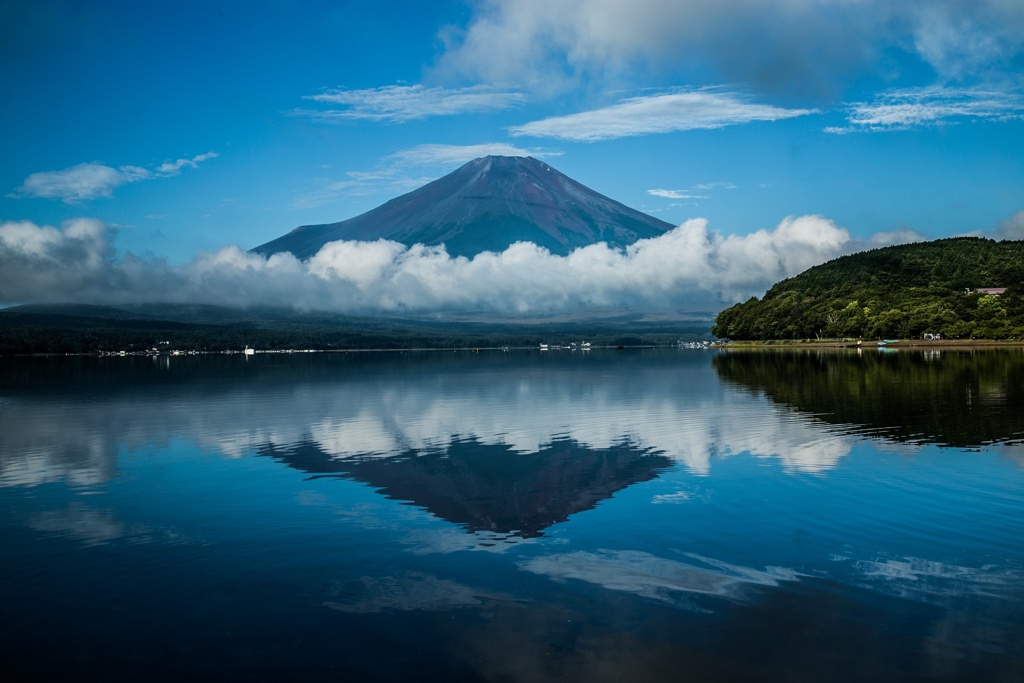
(665,515)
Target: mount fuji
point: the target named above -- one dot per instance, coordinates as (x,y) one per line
(487,205)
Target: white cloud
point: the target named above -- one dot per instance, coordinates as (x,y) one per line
(400,103)
(675,194)
(935,105)
(90,181)
(963,39)
(903,236)
(698,191)
(688,268)
(75,184)
(789,46)
(82,244)
(552,45)
(173,168)
(664,113)
(1012,228)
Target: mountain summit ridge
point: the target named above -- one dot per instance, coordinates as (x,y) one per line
(487,205)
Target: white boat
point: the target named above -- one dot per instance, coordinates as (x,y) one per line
(249,351)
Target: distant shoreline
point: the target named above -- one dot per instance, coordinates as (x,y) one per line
(300,352)
(774,345)
(894,343)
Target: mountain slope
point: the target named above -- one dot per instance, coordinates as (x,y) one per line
(903,291)
(486,205)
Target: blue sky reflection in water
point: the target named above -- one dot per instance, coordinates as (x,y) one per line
(521,516)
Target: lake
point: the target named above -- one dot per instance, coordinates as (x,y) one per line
(640,515)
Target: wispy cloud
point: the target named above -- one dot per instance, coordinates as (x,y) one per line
(700,191)
(172,168)
(931,106)
(676,194)
(358,184)
(662,113)
(400,103)
(889,238)
(396,170)
(92,180)
(448,155)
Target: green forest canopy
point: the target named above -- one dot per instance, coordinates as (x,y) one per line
(900,292)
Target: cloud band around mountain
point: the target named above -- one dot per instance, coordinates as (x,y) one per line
(690,268)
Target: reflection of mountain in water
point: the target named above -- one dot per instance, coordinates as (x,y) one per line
(489,487)
(960,399)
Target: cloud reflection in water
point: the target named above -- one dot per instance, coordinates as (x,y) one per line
(675,409)
(406,592)
(656,577)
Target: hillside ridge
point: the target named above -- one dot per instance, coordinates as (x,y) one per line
(904,291)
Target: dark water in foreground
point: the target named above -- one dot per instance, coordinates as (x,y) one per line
(637,516)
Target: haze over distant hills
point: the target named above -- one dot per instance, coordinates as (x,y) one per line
(487,205)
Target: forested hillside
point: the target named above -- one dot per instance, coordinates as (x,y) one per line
(899,292)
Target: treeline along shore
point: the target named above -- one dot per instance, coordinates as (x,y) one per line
(85,329)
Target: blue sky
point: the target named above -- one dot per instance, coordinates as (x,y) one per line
(169,131)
